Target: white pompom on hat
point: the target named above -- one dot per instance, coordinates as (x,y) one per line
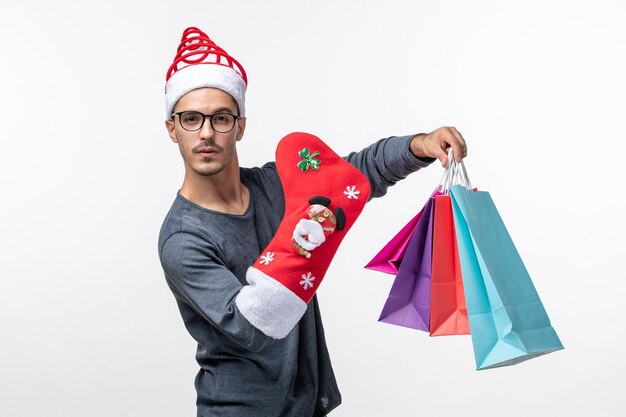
(199,63)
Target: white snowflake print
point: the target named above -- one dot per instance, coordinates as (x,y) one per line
(307,280)
(267,258)
(351,192)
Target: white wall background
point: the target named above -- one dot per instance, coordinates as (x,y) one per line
(87,324)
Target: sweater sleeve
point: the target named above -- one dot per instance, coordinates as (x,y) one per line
(386,162)
(199,279)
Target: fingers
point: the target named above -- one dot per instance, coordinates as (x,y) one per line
(453,138)
(437,143)
(441,155)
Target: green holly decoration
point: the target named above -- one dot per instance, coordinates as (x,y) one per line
(308,160)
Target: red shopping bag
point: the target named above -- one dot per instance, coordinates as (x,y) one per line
(448,312)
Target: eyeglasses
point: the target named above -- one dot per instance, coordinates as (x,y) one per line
(192,121)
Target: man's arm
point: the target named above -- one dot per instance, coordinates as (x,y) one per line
(390,160)
(199,278)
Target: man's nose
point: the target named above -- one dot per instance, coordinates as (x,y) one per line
(207,132)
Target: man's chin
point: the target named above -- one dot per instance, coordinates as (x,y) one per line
(207,172)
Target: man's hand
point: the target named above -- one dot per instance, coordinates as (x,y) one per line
(436,144)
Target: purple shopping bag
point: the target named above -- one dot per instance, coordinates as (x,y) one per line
(408,303)
(390,256)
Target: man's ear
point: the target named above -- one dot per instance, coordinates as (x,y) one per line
(241,123)
(169,125)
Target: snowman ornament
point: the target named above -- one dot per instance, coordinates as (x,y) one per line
(319,223)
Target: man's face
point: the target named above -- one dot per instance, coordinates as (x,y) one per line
(205,151)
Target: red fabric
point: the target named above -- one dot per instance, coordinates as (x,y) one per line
(448,312)
(197,48)
(333,179)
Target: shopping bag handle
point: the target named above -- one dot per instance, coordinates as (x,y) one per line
(454,174)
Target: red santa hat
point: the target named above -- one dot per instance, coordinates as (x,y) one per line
(199,63)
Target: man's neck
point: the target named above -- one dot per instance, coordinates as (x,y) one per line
(223,192)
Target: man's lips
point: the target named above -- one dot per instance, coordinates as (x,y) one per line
(207,151)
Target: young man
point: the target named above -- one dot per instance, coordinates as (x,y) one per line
(223,218)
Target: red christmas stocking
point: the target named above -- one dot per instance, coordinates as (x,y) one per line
(324,195)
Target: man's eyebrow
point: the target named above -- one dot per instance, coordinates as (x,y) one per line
(223,110)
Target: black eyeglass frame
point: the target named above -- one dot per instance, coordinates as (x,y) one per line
(204,116)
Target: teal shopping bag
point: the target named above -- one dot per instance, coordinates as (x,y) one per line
(508,322)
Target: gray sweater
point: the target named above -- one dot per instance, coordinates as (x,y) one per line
(205,255)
